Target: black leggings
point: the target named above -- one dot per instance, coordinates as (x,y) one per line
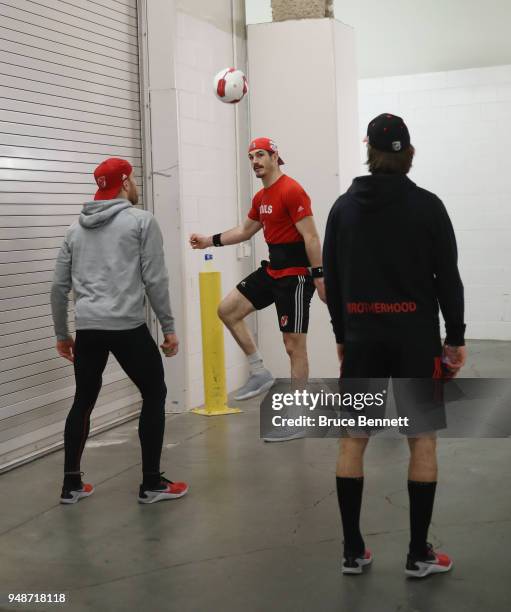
(138,355)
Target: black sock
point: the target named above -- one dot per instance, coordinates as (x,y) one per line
(349,495)
(422,497)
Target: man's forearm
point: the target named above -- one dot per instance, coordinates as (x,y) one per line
(332,272)
(448,283)
(336,318)
(313,249)
(451,299)
(158,294)
(59,304)
(232,236)
(60,288)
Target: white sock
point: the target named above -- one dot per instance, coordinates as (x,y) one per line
(255,361)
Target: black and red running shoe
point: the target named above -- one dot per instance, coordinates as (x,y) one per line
(164,489)
(431,563)
(353,564)
(73,494)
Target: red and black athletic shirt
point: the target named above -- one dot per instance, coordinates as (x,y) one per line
(278,208)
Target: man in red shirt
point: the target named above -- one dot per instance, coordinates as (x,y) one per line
(283,210)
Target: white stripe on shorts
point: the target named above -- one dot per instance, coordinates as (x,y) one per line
(299,304)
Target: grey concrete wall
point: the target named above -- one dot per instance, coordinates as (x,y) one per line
(284,10)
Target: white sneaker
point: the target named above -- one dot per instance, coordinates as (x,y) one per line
(284,435)
(255,385)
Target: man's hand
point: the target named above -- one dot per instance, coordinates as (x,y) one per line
(340,352)
(320,287)
(170,346)
(66,349)
(199,241)
(454,357)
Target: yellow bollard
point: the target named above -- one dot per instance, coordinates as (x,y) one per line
(213,358)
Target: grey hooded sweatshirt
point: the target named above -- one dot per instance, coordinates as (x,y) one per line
(111,257)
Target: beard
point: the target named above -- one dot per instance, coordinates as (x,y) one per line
(133,198)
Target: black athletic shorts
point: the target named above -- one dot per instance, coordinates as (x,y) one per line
(291,295)
(415,366)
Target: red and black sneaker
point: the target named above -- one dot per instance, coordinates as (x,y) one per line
(431,563)
(72,494)
(353,564)
(164,489)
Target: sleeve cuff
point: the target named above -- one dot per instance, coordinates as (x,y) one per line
(338,333)
(339,338)
(455,335)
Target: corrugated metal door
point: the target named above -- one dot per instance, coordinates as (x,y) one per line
(69,97)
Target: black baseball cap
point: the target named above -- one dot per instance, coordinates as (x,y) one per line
(388,133)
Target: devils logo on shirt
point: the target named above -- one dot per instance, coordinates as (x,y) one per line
(283,320)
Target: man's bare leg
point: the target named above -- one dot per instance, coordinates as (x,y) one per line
(350,463)
(296,348)
(423,462)
(232,311)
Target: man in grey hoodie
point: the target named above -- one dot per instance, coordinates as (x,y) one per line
(111,258)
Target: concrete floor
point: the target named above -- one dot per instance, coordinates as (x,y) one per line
(259,529)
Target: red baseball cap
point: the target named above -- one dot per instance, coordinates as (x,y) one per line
(266,144)
(109,176)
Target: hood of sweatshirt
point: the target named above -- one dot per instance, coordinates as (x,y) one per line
(100,212)
(376,191)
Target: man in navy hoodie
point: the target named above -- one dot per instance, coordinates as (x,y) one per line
(111,258)
(390,261)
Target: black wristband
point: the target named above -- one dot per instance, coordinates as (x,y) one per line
(217,240)
(317,272)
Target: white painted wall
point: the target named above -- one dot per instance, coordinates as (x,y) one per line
(161,157)
(415,36)
(460,123)
(197,145)
(209,150)
(315,127)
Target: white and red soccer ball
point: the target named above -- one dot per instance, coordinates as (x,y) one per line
(230,85)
